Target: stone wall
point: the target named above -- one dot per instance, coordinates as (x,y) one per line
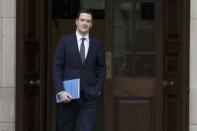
(193,66)
(7,64)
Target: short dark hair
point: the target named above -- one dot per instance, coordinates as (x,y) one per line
(84,11)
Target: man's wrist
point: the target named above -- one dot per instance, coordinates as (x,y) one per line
(60,92)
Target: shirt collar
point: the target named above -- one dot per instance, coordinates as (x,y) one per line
(79,36)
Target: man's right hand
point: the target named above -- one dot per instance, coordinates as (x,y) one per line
(65,97)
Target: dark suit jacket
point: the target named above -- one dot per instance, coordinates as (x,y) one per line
(68,65)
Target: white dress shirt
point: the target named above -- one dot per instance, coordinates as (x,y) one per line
(86,42)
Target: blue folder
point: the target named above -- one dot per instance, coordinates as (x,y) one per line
(72,87)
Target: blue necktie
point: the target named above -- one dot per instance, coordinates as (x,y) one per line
(82,50)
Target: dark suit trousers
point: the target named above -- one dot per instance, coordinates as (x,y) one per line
(77,115)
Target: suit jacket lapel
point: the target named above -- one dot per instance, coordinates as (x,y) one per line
(75,48)
(90,51)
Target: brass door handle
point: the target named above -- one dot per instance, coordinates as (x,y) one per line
(34,82)
(168,83)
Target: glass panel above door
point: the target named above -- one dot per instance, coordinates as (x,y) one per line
(144,39)
(122,65)
(123,13)
(123,39)
(133,52)
(145,13)
(133,65)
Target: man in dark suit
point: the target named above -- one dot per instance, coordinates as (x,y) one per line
(79,55)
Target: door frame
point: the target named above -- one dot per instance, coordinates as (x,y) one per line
(19,67)
(185,68)
(19,123)
(19,95)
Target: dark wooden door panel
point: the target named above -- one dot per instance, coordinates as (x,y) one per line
(32,46)
(31,85)
(29,39)
(132,93)
(135,87)
(132,114)
(172,112)
(32,109)
(173,58)
(129,104)
(133,105)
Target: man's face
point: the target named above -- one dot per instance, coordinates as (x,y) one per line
(84,23)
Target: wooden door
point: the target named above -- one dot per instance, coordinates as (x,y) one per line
(30,74)
(134,87)
(146,84)
(176,61)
